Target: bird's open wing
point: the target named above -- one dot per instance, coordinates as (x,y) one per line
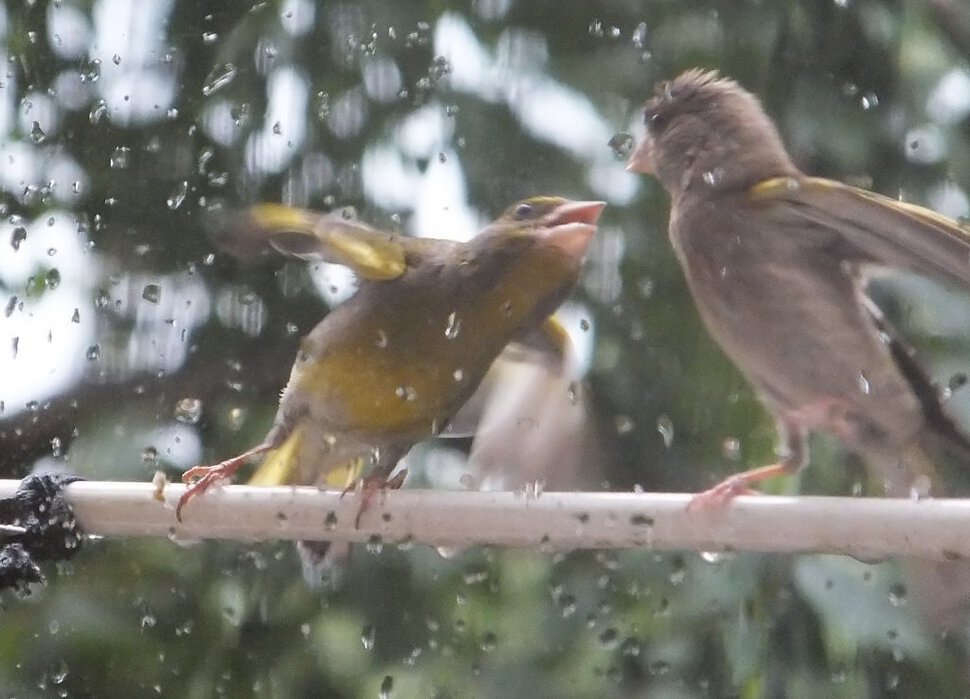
(334,237)
(547,348)
(872,229)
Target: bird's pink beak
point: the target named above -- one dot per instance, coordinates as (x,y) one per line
(571,226)
(641,160)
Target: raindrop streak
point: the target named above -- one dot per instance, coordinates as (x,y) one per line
(178,196)
(640,36)
(713,177)
(453,326)
(666,429)
(220,76)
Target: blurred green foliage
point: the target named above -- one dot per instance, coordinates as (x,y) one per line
(859,90)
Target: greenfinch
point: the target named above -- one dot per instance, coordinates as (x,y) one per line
(777,263)
(392,365)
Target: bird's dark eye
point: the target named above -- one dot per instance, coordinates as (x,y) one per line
(523,211)
(656,121)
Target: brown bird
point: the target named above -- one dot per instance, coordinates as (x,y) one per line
(393,365)
(777,263)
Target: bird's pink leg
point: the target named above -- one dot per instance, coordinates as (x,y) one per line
(794,456)
(200,478)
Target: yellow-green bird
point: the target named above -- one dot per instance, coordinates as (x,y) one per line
(392,365)
(778,261)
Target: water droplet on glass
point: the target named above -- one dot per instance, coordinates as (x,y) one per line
(666,429)
(488,642)
(219,77)
(713,557)
(149,456)
(622,145)
(630,647)
(406,393)
(713,177)
(658,667)
(623,424)
(178,196)
(731,448)
(37,134)
(387,684)
(98,111)
(18,236)
(898,595)
(52,279)
(151,293)
(475,575)
(58,673)
(120,157)
(609,638)
(920,488)
(323,105)
(188,410)
(640,36)
(458,374)
(679,571)
(93,353)
(453,326)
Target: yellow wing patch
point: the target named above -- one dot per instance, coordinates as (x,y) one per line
(335,237)
(280,467)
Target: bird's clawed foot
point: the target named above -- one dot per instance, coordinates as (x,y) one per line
(369,485)
(732,486)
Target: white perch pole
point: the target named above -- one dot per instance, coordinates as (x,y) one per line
(863,527)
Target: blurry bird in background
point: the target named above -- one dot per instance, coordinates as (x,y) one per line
(395,363)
